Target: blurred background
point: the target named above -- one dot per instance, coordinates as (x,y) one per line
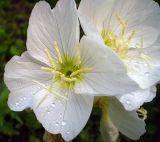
(23,126)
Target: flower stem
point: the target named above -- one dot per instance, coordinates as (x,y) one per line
(48,137)
(108,131)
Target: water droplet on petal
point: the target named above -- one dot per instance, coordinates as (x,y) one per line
(60,115)
(147,73)
(17,104)
(63,123)
(145,64)
(53,105)
(128,102)
(48,111)
(57,124)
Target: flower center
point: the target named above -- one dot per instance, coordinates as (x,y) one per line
(118,42)
(67,70)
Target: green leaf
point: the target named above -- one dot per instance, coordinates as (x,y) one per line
(34,139)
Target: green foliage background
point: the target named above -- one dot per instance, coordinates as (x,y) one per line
(23,126)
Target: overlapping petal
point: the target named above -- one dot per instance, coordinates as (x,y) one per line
(127,122)
(108,75)
(134,100)
(48,25)
(92,14)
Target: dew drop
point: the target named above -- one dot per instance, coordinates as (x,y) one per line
(60,115)
(17,104)
(147,73)
(47,84)
(57,124)
(145,64)
(48,111)
(128,102)
(63,123)
(53,105)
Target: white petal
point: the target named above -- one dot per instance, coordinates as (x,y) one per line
(127,122)
(47,26)
(92,14)
(133,101)
(67,117)
(19,75)
(146,74)
(108,75)
(154,52)
(147,35)
(84,88)
(138,13)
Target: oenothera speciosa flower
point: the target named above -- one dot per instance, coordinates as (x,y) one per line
(57,76)
(131,29)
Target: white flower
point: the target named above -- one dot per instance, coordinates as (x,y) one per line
(58,76)
(131,28)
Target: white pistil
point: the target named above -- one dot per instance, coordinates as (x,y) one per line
(42,100)
(50,90)
(78,55)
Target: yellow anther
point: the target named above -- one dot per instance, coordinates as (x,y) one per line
(49,57)
(57,51)
(51,70)
(84,70)
(142,113)
(46,69)
(66,79)
(131,36)
(123,23)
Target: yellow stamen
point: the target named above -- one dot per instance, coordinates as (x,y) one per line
(57,51)
(131,36)
(49,57)
(66,79)
(51,70)
(124,24)
(84,70)
(142,113)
